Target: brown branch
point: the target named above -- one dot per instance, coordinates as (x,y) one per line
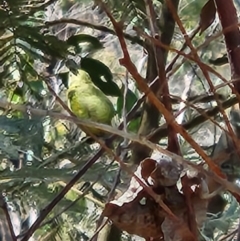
(191,217)
(228,16)
(61,194)
(170,65)
(161,131)
(201,66)
(83,170)
(127,63)
(188,56)
(133,39)
(160,59)
(157,56)
(232,235)
(166,37)
(109,231)
(81,195)
(99,229)
(150,115)
(228,185)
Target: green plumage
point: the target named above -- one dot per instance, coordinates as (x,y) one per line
(88,102)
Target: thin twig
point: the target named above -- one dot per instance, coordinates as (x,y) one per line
(81,195)
(128,64)
(238,233)
(203,69)
(133,39)
(133,137)
(232,234)
(170,66)
(99,229)
(9,222)
(162,130)
(81,172)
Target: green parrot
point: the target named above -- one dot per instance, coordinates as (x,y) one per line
(88,102)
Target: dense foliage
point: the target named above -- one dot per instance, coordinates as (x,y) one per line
(42,143)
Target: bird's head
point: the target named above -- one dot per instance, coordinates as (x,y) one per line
(82,77)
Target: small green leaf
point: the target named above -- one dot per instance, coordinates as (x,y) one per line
(18,95)
(133,125)
(47,44)
(131,99)
(101,76)
(36,86)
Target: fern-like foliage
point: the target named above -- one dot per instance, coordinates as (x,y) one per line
(24,42)
(27,46)
(37,154)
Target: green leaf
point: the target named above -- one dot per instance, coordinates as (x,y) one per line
(101,76)
(131,99)
(36,86)
(47,44)
(27,66)
(133,125)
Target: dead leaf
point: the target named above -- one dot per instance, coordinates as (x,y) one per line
(207,15)
(136,212)
(176,231)
(195,190)
(161,173)
(140,218)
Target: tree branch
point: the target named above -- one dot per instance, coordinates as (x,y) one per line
(228,17)
(142,140)
(157,56)
(128,64)
(133,39)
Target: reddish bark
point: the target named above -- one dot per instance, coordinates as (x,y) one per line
(228,17)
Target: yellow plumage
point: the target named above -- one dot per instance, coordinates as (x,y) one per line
(88,102)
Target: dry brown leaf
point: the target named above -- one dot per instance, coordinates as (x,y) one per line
(198,190)
(161,173)
(176,231)
(137,213)
(207,15)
